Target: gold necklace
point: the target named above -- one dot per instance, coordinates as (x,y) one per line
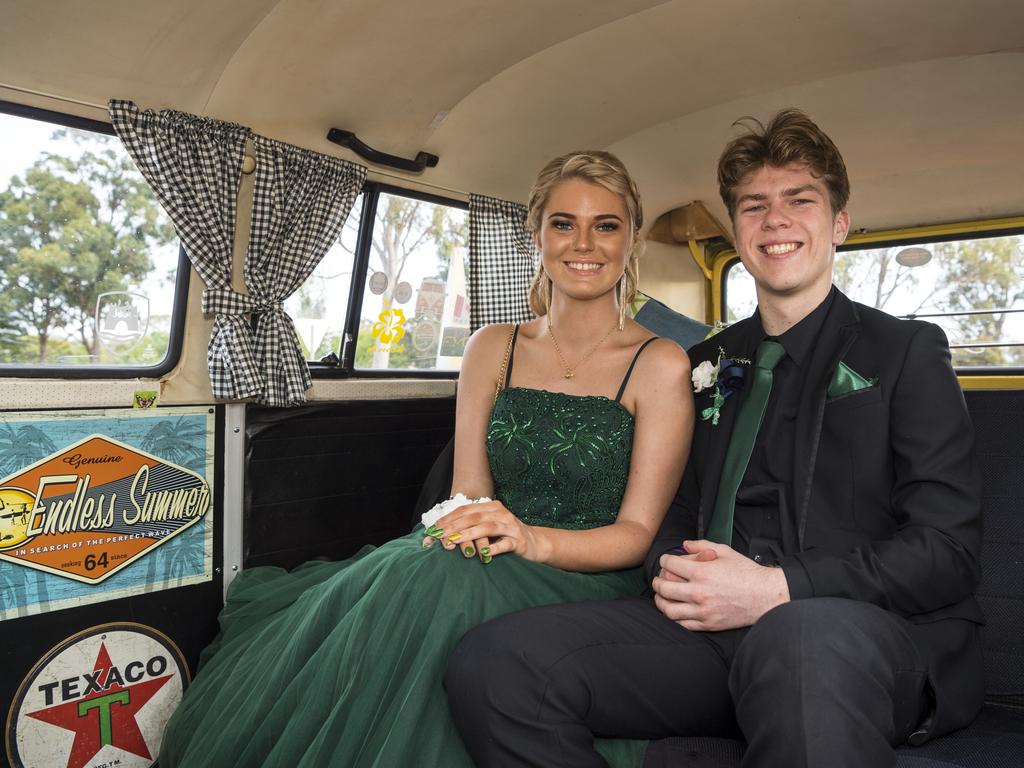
(570,372)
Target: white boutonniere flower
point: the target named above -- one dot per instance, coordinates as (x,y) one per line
(704,376)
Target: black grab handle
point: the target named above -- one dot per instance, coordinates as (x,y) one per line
(368,153)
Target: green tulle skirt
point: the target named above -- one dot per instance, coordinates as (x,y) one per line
(341,663)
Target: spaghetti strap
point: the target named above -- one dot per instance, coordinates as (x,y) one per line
(511,355)
(625,379)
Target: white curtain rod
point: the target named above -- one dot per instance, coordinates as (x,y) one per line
(67,99)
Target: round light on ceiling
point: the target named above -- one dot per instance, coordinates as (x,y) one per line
(914,256)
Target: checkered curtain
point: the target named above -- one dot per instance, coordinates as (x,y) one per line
(300,203)
(193,165)
(501,262)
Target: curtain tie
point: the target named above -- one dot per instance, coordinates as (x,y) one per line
(225,301)
(741,442)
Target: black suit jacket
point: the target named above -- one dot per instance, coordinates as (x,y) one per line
(885,484)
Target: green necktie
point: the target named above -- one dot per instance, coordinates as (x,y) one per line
(741,445)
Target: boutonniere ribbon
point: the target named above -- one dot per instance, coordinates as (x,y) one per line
(724,378)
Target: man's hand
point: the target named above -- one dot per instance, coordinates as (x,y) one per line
(714,587)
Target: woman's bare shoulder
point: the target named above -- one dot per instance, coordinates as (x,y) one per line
(662,373)
(489,338)
(665,355)
(486,347)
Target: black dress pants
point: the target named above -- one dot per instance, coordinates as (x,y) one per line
(816,682)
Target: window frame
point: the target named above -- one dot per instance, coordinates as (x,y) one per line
(345,369)
(944,233)
(176,331)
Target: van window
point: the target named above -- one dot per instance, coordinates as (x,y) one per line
(88,259)
(972,288)
(318,309)
(415,307)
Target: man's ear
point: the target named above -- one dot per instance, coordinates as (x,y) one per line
(840,228)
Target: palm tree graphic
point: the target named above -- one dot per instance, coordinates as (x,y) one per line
(22,446)
(179,441)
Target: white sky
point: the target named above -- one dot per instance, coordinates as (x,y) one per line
(904,302)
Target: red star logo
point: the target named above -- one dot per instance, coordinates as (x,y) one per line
(106,716)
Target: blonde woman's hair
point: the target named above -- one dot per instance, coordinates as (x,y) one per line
(595,167)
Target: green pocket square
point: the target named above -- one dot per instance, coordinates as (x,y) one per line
(847,381)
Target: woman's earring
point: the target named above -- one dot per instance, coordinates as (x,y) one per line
(622,302)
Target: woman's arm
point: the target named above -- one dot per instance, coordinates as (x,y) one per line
(659,396)
(481,363)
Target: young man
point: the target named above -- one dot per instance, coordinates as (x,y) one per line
(812,581)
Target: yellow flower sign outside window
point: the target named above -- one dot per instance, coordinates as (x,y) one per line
(390,327)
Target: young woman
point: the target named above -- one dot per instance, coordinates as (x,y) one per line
(576,423)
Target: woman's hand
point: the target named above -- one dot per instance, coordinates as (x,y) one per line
(487,529)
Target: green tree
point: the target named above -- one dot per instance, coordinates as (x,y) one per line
(874,277)
(70,229)
(150,351)
(12,342)
(979,275)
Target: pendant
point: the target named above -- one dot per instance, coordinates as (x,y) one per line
(567,375)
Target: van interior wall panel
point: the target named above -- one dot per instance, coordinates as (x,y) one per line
(324,480)
(185,614)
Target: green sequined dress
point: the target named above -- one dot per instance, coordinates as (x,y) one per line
(341,664)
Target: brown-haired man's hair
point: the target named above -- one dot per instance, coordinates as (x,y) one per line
(790,137)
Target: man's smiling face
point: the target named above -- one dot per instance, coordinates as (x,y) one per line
(786,233)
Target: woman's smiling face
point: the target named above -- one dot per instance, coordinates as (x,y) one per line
(585,238)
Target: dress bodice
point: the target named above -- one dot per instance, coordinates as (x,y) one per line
(559,460)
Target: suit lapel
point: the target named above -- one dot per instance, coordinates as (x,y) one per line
(838,332)
(740,340)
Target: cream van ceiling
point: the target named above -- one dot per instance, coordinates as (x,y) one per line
(921,95)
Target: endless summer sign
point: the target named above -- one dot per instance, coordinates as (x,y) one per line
(94,507)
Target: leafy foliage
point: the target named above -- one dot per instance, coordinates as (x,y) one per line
(71,228)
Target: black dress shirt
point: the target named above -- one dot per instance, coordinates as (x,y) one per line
(763,527)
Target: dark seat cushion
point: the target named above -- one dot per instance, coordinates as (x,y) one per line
(994,740)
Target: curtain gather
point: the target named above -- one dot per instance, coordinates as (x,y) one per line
(194,166)
(501,262)
(300,203)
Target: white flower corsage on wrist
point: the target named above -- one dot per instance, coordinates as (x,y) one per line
(442,508)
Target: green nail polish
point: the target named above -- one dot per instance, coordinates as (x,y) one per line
(434,531)
(485,550)
(469,551)
(486,559)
